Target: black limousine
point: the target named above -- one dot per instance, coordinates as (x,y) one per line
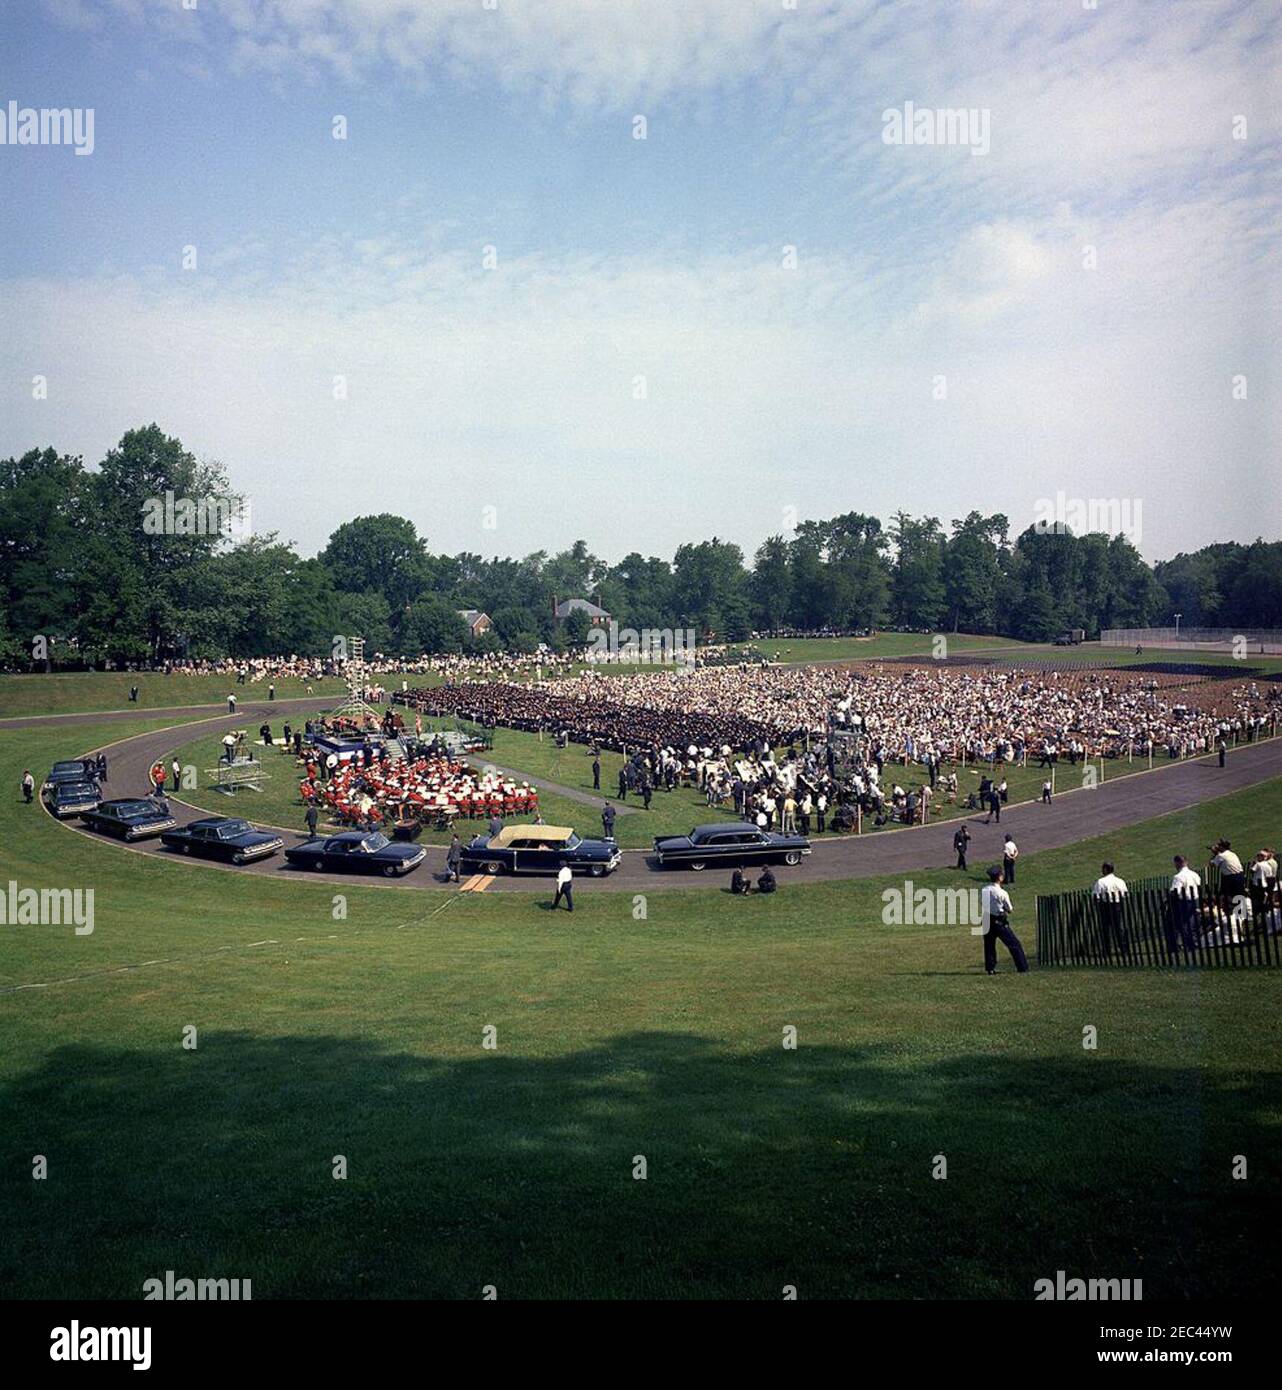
(138,819)
(729,846)
(539,849)
(357,852)
(71,770)
(234,841)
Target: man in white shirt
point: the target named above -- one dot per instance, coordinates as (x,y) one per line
(997,909)
(564,888)
(1232,877)
(1186,893)
(1010,853)
(1108,892)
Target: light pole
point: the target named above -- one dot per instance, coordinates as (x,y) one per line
(1178,616)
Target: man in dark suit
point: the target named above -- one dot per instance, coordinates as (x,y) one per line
(596,773)
(961,842)
(311,819)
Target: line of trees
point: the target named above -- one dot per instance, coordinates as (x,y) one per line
(82,568)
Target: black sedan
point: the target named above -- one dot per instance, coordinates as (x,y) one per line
(235,841)
(73,770)
(357,852)
(72,798)
(538,849)
(130,820)
(729,846)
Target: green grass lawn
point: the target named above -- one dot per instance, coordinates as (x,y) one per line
(93,691)
(618,1035)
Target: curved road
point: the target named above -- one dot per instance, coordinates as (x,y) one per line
(1074,816)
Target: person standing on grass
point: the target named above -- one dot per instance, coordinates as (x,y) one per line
(607,821)
(1186,895)
(1109,893)
(564,888)
(961,842)
(596,773)
(28,786)
(1010,852)
(997,910)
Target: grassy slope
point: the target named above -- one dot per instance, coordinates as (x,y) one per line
(617,1037)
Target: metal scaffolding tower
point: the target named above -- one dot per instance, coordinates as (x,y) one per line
(354,706)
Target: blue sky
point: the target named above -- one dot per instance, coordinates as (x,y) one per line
(771,393)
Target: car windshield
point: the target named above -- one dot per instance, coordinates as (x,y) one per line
(76,766)
(574,841)
(76,789)
(373,843)
(135,808)
(232,829)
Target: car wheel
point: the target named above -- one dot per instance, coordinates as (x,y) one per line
(597,870)
(186,849)
(238,859)
(697,865)
(493,868)
(390,870)
(317,863)
(792,857)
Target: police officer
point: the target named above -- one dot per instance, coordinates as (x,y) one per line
(961,842)
(564,888)
(997,909)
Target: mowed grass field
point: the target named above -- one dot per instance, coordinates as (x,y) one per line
(637,1029)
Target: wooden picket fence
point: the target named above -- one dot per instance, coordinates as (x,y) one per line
(1151,928)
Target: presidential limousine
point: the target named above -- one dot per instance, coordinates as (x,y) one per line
(729,846)
(539,849)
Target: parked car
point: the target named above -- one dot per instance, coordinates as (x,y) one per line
(357,852)
(72,798)
(139,819)
(539,849)
(73,770)
(235,841)
(731,845)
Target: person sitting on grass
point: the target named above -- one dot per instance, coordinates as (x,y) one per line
(767,883)
(739,882)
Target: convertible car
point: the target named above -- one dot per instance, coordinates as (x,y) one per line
(235,841)
(72,798)
(538,849)
(357,852)
(729,845)
(129,820)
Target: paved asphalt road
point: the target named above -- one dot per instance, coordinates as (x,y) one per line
(1074,815)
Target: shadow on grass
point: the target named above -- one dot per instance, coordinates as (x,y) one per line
(810,1167)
